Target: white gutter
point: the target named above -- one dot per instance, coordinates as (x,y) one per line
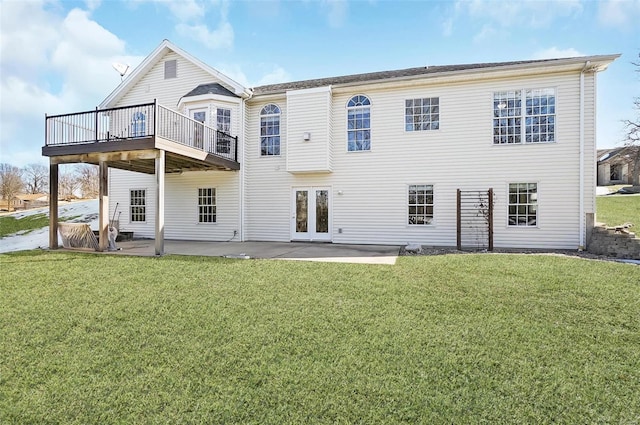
(581,245)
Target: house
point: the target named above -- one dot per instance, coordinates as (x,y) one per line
(25,201)
(480,155)
(615,166)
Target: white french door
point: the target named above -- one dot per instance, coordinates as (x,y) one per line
(311,214)
(199,115)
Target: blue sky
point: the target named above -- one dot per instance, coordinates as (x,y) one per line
(56,55)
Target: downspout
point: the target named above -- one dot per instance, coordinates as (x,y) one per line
(581,245)
(243,164)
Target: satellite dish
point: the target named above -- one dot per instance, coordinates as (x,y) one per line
(121,68)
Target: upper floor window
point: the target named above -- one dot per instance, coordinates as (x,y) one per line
(359,124)
(422,114)
(138,124)
(524,116)
(223,120)
(270,130)
(523,204)
(170,69)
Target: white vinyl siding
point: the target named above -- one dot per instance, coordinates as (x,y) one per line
(309,112)
(369,191)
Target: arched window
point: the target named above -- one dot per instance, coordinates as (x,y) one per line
(270,130)
(138,124)
(359,124)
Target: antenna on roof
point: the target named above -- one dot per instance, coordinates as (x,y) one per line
(121,68)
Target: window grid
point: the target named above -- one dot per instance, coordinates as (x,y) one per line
(523,204)
(420,204)
(270,130)
(359,124)
(138,124)
(540,116)
(224,120)
(422,114)
(138,205)
(207,205)
(524,116)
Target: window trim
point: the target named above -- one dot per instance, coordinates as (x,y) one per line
(408,206)
(279,135)
(422,99)
(214,205)
(523,116)
(537,204)
(350,108)
(131,205)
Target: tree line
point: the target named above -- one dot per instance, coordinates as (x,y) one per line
(74,180)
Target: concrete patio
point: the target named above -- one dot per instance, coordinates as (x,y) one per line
(302,251)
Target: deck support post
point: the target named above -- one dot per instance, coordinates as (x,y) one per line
(159,240)
(53,205)
(103,213)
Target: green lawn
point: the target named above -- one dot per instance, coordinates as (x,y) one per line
(88,338)
(614,210)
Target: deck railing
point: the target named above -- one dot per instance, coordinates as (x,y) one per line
(138,121)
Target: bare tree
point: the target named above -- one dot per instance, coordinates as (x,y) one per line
(632,138)
(10,182)
(68,183)
(88,180)
(35,177)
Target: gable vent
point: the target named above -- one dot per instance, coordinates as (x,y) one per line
(170,69)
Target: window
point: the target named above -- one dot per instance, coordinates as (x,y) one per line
(138,205)
(524,116)
(170,69)
(420,204)
(270,130)
(223,120)
(138,124)
(207,205)
(358,124)
(523,204)
(422,114)
(615,172)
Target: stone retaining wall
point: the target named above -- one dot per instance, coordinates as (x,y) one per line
(607,241)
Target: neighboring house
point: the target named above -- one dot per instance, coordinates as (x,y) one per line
(614,166)
(25,201)
(373,158)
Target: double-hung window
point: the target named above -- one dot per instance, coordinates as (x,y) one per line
(524,116)
(270,130)
(422,114)
(138,205)
(207,205)
(138,124)
(420,204)
(359,124)
(223,120)
(523,204)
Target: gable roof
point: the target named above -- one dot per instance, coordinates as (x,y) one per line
(605,155)
(599,62)
(153,58)
(212,88)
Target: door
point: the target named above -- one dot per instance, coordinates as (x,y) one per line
(311,218)
(199,115)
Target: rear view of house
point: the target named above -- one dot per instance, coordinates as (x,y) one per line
(478,155)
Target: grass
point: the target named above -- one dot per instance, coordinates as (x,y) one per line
(10,225)
(88,338)
(614,210)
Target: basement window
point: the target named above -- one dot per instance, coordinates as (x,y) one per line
(138,205)
(420,204)
(523,204)
(207,205)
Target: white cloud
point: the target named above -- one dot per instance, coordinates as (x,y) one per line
(554,53)
(337,12)
(277,75)
(186,10)
(51,63)
(221,37)
(270,74)
(619,13)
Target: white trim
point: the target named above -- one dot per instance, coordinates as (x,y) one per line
(208,98)
(321,89)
